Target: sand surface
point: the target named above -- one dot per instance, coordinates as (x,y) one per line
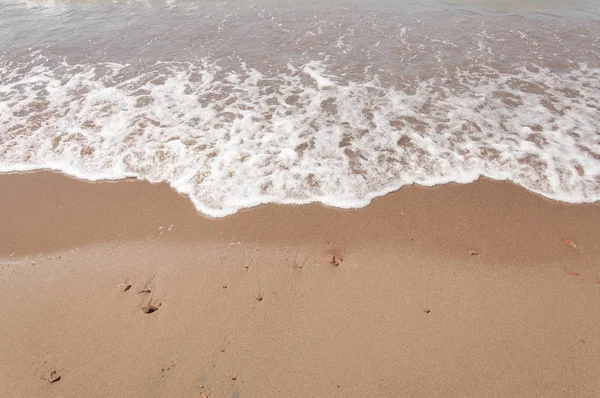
(249,305)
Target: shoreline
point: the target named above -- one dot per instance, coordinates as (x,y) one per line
(249,305)
(157,212)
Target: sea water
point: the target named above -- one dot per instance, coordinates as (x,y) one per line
(239,103)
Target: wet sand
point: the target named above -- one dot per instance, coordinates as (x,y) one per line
(251,306)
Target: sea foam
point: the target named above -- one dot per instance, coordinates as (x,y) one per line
(237,138)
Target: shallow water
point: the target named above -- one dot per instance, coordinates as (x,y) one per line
(238,104)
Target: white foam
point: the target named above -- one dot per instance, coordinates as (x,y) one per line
(232,139)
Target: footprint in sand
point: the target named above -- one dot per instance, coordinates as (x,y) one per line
(51,377)
(166,369)
(145,292)
(149,309)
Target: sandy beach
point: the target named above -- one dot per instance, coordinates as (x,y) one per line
(219,199)
(457,290)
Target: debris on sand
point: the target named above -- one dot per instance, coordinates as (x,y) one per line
(334,259)
(573,273)
(166,369)
(473,253)
(149,309)
(259,297)
(569,243)
(51,377)
(144,291)
(125,286)
(427,310)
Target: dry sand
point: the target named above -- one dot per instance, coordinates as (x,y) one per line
(248,306)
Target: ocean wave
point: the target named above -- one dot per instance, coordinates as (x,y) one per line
(233,138)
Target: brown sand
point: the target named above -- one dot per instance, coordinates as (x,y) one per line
(248,306)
